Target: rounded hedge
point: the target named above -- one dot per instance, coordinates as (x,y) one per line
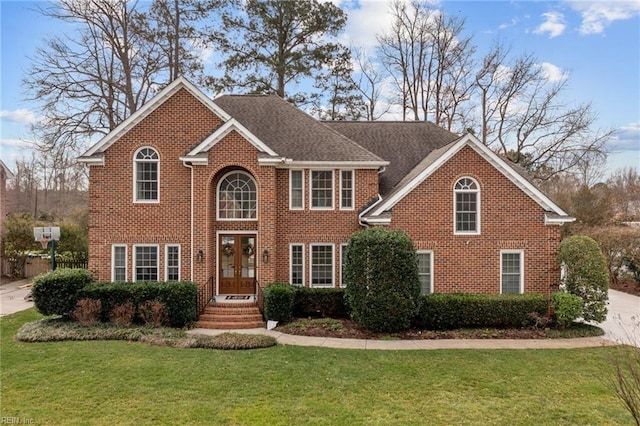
(278,302)
(381,273)
(58,292)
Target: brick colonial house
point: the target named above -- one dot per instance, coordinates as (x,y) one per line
(240,191)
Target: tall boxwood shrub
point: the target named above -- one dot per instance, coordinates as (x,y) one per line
(586,275)
(381,273)
(278,302)
(58,292)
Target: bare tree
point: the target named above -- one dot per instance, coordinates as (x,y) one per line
(369,82)
(625,186)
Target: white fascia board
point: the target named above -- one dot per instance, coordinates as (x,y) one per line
(223,131)
(268,161)
(298,164)
(151,106)
(400,194)
(96,160)
(558,220)
(377,220)
(196,161)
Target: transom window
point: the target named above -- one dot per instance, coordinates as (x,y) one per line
(146,175)
(511,272)
(467,206)
(237,197)
(321,189)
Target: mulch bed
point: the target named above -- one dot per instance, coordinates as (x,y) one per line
(349,330)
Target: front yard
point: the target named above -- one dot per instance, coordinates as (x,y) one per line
(115,382)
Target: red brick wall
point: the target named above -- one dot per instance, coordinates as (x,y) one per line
(509,219)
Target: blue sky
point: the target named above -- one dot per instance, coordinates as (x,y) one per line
(596,43)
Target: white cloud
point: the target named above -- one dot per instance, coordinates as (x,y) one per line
(20,116)
(553,73)
(553,24)
(596,16)
(627,138)
(366,19)
(16,143)
(513,23)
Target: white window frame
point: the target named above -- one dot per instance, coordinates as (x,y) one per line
(343,252)
(218,197)
(135,265)
(135,175)
(166,261)
(352,188)
(521,253)
(455,210)
(291,246)
(430,253)
(333,189)
(113,261)
(291,206)
(333,265)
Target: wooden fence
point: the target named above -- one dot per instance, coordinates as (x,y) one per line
(37,265)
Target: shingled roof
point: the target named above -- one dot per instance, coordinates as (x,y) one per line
(290,132)
(403,143)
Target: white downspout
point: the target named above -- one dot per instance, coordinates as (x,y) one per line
(190,166)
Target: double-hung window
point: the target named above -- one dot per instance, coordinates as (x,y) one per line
(322,265)
(296,189)
(425,271)
(172,263)
(118,263)
(467,206)
(346,190)
(145,262)
(511,271)
(321,189)
(296,265)
(147,176)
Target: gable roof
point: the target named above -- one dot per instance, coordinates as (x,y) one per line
(402,143)
(435,159)
(293,134)
(7,171)
(94,154)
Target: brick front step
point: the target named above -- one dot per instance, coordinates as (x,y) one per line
(230,325)
(234,316)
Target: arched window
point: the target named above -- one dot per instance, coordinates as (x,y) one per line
(147,176)
(237,197)
(466,206)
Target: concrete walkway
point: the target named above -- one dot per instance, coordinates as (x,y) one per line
(622,326)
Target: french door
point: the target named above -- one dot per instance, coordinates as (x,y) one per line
(237,263)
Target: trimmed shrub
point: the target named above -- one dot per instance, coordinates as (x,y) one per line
(586,275)
(323,302)
(381,273)
(178,296)
(58,292)
(278,302)
(87,311)
(461,310)
(567,308)
(122,314)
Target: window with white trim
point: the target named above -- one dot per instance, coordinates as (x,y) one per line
(145,262)
(321,189)
(118,263)
(296,265)
(172,262)
(147,176)
(321,265)
(237,197)
(511,271)
(346,189)
(296,189)
(467,206)
(343,260)
(425,271)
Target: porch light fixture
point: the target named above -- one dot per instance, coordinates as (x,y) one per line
(200,256)
(265,256)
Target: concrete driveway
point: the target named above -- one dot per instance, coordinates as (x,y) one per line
(12,297)
(623,320)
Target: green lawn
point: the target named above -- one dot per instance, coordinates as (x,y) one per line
(133,383)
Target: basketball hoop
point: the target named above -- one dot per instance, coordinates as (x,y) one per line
(45,242)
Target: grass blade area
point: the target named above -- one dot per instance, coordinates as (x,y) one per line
(119,382)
